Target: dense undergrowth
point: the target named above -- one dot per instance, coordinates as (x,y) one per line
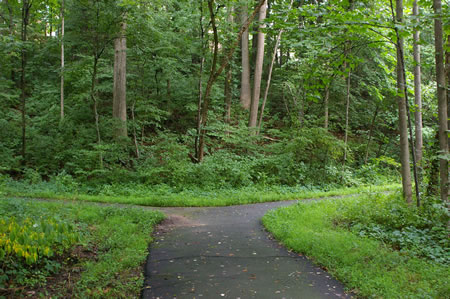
(299,164)
(310,157)
(376,244)
(39,239)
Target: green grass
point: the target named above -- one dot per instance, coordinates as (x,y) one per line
(164,197)
(119,237)
(368,267)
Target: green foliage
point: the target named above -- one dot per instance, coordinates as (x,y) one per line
(29,246)
(421,232)
(367,266)
(117,237)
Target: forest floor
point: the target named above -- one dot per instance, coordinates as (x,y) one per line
(224,252)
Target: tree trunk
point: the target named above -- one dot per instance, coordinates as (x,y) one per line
(447,71)
(246,92)
(215,74)
(200,85)
(442,99)
(347,108)
(26,6)
(269,77)
(258,68)
(205,104)
(136,145)
(369,139)
(11,34)
(95,104)
(417,90)
(402,118)
(228,78)
(62,59)
(327,97)
(169,95)
(228,94)
(120,82)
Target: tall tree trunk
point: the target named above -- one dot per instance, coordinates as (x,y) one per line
(228,94)
(215,74)
(402,118)
(205,104)
(347,108)
(26,6)
(228,77)
(369,139)
(246,92)
(11,34)
(95,104)
(136,145)
(169,95)
(258,68)
(269,77)
(50,20)
(62,60)
(447,71)
(417,89)
(442,98)
(120,81)
(327,97)
(200,84)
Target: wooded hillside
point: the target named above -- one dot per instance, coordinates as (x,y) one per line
(225,93)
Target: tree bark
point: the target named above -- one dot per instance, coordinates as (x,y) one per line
(417,89)
(215,74)
(442,99)
(95,104)
(120,82)
(62,59)
(200,84)
(258,68)
(269,77)
(447,71)
(228,94)
(26,6)
(347,108)
(402,118)
(327,97)
(369,139)
(10,22)
(136,145)
(228,78)
(246,92)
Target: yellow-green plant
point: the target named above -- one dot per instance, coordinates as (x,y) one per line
(33,240)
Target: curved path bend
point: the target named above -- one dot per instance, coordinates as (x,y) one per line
(225,252)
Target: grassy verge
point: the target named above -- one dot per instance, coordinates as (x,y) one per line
(111,249)
(367,266)
(194,198)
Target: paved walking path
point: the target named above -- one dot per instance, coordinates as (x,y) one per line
(225,253)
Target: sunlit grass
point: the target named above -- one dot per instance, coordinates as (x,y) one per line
(366,266)
(200,198)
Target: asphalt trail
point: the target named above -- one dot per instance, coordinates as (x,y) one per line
(225,252)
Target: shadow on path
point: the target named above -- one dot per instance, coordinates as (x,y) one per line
(225,252)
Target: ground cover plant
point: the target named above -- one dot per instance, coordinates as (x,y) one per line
(375,244)
(98,250)
(166,196)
